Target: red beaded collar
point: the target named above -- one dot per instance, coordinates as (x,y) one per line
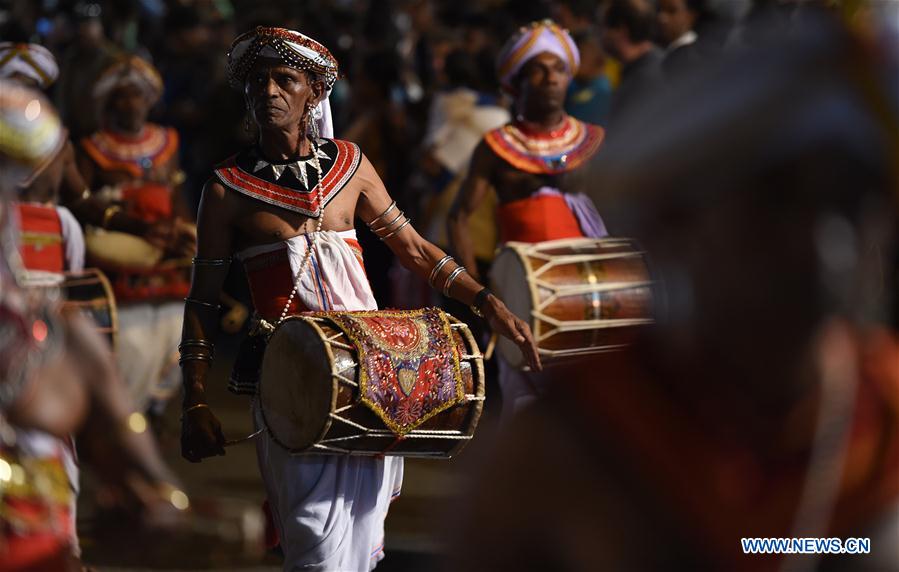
(290,186)
(558,151)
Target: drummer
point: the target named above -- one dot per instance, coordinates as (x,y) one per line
(131,167)
(267,207)
(534,164)
(51,237)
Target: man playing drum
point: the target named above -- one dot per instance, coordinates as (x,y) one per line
(267,206)
(131,166)
(534,163)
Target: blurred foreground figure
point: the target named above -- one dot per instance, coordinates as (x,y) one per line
(765,400)
(51,238)
(54,369)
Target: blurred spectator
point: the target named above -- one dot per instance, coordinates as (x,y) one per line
(590,93)
(460,116)
(85,59)
(677,22)
(195,85)
(628,27)
(576,16)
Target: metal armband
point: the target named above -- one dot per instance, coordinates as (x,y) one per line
(196,350)
(392,228)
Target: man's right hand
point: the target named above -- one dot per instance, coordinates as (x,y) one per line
(201,435)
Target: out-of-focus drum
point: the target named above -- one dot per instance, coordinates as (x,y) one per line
(88,292)
(413,394)
(111,249)
(580,296)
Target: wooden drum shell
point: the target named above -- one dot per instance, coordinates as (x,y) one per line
(580,296)
(321,412)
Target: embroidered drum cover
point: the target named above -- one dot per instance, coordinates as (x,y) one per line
(409,364)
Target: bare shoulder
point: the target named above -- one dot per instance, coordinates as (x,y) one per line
(366,176)
(216,200)
(372,195)
(483,159)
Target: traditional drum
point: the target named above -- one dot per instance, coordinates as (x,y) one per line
(136,268)
(407,383)
(88,292)
(580,296)
(111,249)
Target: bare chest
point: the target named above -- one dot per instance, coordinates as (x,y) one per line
(513,184)
(258,223)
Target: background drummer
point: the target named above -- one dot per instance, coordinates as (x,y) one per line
(51,237)
(534,164)
(131,167)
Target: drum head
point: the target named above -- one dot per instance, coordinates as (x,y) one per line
(509,280)
(296,390)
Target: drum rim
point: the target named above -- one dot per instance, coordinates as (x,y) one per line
(326,426)
(480,389)
(113,305)
(506,348)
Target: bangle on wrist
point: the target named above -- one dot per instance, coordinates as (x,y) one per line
(479,299)
(193,408)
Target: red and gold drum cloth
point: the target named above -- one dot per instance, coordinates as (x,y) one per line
(409,365)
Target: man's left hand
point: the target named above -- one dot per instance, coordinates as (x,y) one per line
(506,324)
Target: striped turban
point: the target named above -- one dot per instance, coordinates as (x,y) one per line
(529,41)
(129,70)
(295,50)
(30,132)
(30,60)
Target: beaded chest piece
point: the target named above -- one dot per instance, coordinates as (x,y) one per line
(290,185)
(138,156)
(548,153)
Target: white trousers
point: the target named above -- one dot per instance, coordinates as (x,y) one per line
(147,350)
(329,509)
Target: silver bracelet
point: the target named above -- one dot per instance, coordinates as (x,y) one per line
(452,278)
(399,228)
(382,215)
(389,224)
(437,268)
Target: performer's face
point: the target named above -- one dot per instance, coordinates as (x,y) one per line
(128,108)
(543,81)
(278,95)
